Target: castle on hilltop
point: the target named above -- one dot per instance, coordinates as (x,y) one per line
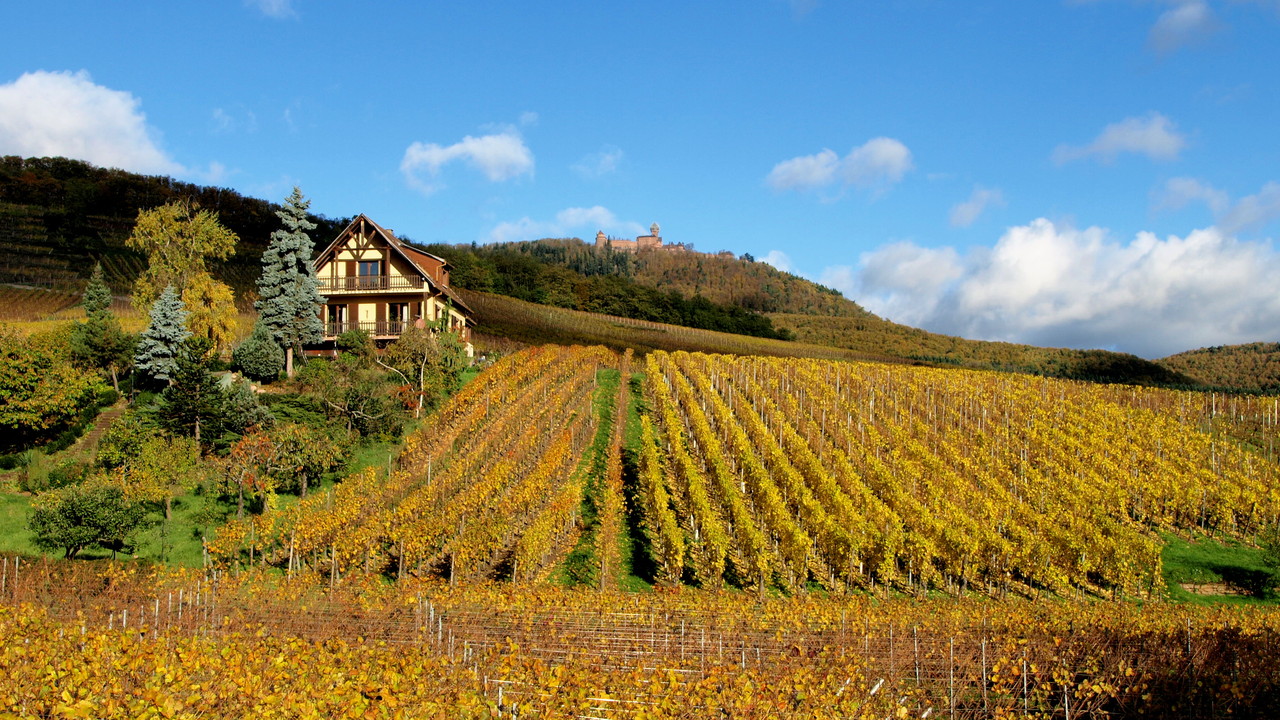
(652,241)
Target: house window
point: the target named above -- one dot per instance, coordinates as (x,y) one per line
(370,273)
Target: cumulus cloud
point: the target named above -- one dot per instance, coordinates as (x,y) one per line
(966,213)
(499,156)
(778,260)
(1053,285)
(570,221)
(67,114)
(878,163)
(599,164)
(1154,136)
(1188,22)
(279,9)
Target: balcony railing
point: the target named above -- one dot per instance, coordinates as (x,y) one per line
(369,283)
(392,328)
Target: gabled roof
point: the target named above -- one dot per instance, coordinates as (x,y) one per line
(404,251)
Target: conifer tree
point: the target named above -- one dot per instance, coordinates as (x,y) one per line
(99,341)
(157,355)
(290,301)
(97,296)
(259,357)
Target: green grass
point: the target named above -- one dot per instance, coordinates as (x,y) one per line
(582,567)
(1204,560)
(14,537)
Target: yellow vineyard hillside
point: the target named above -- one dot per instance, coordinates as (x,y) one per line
(849,474)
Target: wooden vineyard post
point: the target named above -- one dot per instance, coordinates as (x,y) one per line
(951,679)
(984,674)
(915,641)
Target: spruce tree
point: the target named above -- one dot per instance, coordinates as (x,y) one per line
(157,355)
(290,301)
(97,296)
(99,341)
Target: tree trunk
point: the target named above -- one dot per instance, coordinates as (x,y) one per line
(240,503)
(304,485)
(168,508)
(288,361)
(115,381)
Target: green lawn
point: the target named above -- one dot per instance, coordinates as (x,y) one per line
(14,538)
(1205,560)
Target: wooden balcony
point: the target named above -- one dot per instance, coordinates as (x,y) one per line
(368,284)
(376,330)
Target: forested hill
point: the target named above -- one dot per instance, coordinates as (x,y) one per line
(59,216)
(1254,367)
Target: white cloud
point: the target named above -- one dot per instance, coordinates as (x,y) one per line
(779,260)
(1187,23)
(279,9)
(1179,192)
(570,221)
(1249,213)
(879,162)
(599,164)
(528,118)
(500,156)
(966,213)
(67,114)
(1059,286)
(1154,136)
(1253,211)
(805,172)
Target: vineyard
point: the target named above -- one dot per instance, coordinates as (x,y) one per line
(759,472)
(867,541)
(112,642)
(491,488)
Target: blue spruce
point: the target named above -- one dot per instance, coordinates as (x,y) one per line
(157,353)
(290,301)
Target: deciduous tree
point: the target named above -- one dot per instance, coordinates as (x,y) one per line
(92,514)
(428,361)
(178,237)
(41,391)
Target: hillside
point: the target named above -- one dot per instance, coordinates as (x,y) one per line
(1254,367)
(59,216)
(874,334)
(562,272)
(502,320)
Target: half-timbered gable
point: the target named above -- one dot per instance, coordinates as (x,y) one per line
(373,281)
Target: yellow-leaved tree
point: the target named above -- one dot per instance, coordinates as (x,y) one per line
(178,238)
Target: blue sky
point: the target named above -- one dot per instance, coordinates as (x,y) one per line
(1097,173)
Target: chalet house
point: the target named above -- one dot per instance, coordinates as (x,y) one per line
(374,282)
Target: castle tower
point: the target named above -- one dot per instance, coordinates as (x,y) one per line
(601,238)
